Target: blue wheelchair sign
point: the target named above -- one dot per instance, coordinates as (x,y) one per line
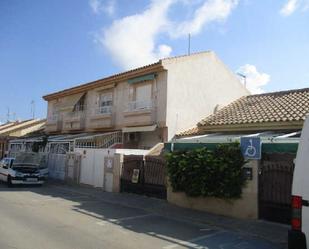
(251,147)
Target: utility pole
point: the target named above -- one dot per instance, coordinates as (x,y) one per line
(32,109)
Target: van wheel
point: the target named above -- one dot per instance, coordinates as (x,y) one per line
(9,182)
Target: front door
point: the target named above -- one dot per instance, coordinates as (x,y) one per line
(275,187)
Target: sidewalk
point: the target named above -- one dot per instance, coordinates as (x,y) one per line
(273,232)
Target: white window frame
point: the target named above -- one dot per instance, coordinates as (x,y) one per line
(105,103)
(145,103)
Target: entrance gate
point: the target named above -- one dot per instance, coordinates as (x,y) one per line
(275,185)
(145,177)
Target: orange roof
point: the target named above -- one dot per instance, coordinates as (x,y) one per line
(151,68)
(258,111)
(101,82)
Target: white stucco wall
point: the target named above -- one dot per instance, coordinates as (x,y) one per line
(196,85)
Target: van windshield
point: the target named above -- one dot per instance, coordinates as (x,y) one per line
(30,160)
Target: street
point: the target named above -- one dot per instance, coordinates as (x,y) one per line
(53,217)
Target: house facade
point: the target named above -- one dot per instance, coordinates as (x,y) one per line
(275,120)
(148,105)
(17,129)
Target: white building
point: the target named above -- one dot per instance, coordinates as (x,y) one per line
(149,104)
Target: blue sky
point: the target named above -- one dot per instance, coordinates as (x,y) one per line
(50,45)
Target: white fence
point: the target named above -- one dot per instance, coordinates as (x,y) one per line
(56,166)
(93,163)
(86,166)
(92,166)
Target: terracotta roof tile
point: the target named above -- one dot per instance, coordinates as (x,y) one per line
(192,131)
(284,106)
(290,105)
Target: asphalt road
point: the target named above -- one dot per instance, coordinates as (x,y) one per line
(49,217)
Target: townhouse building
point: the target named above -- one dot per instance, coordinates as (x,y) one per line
(146,105)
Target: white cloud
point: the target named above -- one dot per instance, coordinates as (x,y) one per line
(210,11)
(255,80)
(107,6)
(289,7)
(292,5)
(132,41)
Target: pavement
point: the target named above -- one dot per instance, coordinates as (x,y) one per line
(63,216)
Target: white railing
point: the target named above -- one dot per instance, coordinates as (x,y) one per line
(100,141)
(140,105)
(103,110)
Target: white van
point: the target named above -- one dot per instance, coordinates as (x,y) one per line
(26,168)
(298,237)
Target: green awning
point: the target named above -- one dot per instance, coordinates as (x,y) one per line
(142,78)
(266,147)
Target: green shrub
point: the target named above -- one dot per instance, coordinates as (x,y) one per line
(203,172)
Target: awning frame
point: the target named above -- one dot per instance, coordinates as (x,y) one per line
(139,129)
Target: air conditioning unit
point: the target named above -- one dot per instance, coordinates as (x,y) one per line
(132,137)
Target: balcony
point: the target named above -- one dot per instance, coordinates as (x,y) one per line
(75,120)
(53,123)
(144,105)
(140,113)
(101,117)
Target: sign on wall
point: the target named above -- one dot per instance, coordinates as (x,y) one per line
(251,147)
(109,162)
(135,176)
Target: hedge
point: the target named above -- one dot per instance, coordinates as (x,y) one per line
(208,173)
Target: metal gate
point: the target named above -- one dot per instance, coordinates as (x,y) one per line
(56,165)
(275,185)
(144,176)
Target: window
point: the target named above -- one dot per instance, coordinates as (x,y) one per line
(143,92)
(143,98)
(80,105)
(105,102)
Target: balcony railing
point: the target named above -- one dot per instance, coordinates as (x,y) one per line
(140,105)
(78,111)
(103,110)
(106,140)
(52,118)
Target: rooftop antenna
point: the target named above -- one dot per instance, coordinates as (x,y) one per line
(32,109)
(14,116)
(244,77)
(8,115)
(189,44)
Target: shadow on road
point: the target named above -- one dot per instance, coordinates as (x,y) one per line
(122,211)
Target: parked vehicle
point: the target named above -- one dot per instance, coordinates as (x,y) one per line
(26,168)
(298,237)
